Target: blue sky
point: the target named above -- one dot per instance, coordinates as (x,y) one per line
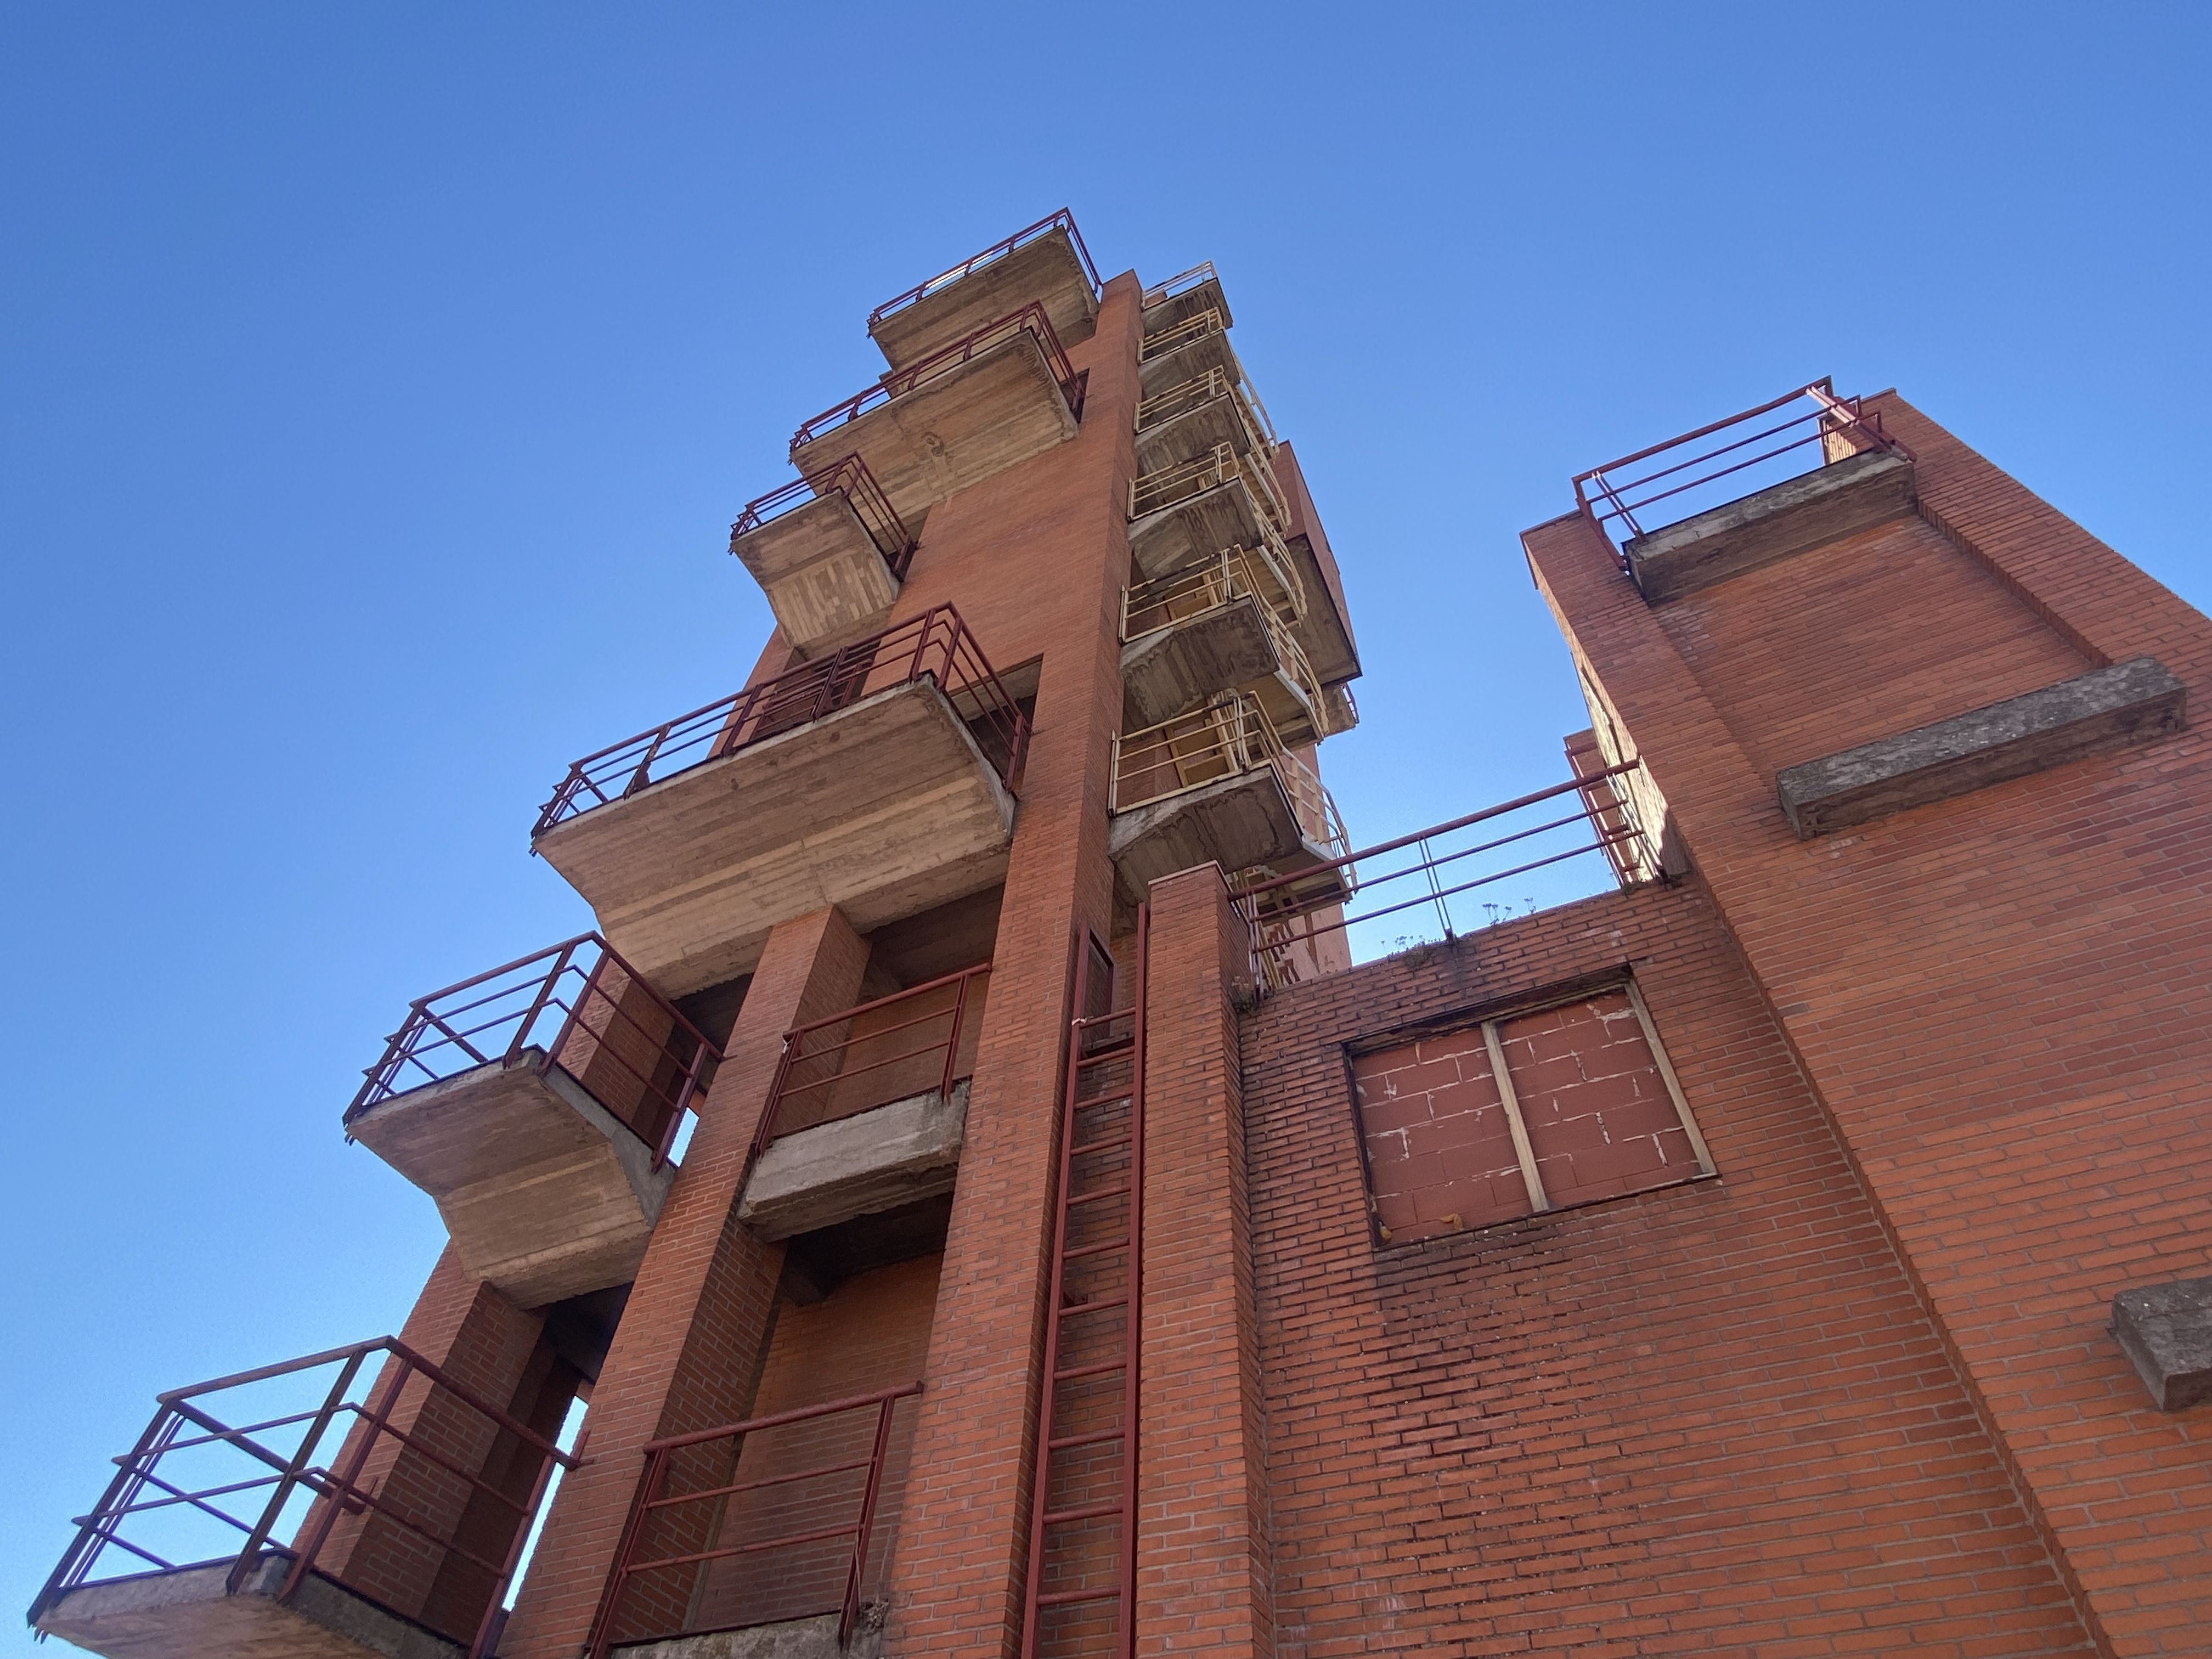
(377,384)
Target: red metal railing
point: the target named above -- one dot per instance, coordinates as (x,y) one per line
(850,478)
(893,1048)
(1062,219)
(1288,914)
(584,1009)
(653,1510)
(936,646)
(1836,427)
(1030,318)
(278,1455)
(1082,1470)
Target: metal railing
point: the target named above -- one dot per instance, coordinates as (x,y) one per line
(584,1009)
(1168,486)
(850,478)
(653,1510)
(1181,283)
(1152,607)
(1288,913)
(893,1048)
(936,646)
(283,1457)
(1177,336)
(1031,319)
(1062,219)
(1229,738)
(1836,426)
(1200,389)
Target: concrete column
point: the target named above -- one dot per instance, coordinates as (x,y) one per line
(687,1349)
(1203,1582)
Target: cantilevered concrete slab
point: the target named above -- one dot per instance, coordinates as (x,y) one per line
(1185,664)
(1046,272)
(826,578)
(186,1614)
(1236,821)
(884,808)
(1321,632)
(814,1637)
(1186,358)
(1198,527)
(1795,516)
(1163,314)
(545,1193)
(864,1164)
(1194,433)
(955,429)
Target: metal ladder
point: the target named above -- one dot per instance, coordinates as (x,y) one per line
(1083,1490)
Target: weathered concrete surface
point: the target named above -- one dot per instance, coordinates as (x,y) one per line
(2166,1331)
(1196,529)
(1792,517)
(2107,708)
(545,1194)
(792,1638)
(1045,272)
(823,575)
(1236,821)
(1181,666)
(187,1615)
(864,1164)
(1206,296)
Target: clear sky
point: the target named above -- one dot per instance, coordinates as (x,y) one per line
(377,384)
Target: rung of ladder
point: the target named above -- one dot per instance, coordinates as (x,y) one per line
(1089,1147)
(1094,1307)
(1090,1439)
(1120,1243)
(1098,1369)
(1086,1512)
(1062,1598)
(1120,1191)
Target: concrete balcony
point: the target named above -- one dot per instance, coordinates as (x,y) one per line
(1186,350)
(1219,626)
(828,552)
(1188,513)
(880,778)
(990,400)
(1218,786)
(1183,296)
(288,1513)
(1045,264)
(1188,421)
(536,1104)
(869,1109)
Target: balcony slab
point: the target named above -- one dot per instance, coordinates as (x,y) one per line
(1182,666)
(1209,349)
(1193,435)
(1194,529)
(956,429)
(545,1193)
(814,1637)
(1046,272)
(1204,296)
(1322,633)
(872,1162)
(186,1614)
(824,576)
(1236,821)
(1795,516)
(885,809)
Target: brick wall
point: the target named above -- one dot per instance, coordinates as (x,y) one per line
(1710,1418)
(1995,996)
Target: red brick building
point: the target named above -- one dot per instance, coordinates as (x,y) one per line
(988,1213)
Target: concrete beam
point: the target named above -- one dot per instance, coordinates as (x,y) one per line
(863,1164)
(2166,1331)
(1793,516)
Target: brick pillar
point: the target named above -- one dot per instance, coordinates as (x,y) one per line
(956,1580)
(484,1342)
(1202,1554)
(687,1349)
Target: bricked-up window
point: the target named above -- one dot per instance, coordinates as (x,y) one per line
(1588,1109)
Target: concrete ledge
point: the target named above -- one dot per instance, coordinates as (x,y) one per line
(814,1637)
(864,1164)
(2109,708)
(2166,1331)
(1795,516)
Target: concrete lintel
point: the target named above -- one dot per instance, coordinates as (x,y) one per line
(2166,1331)
(2107,708)
(1795,516)
(864,1164)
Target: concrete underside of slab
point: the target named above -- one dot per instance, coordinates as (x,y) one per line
(873,1162)
(187,1614)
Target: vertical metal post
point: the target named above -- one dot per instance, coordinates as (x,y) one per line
(1130,1396)
(373,1416)
(308,1443)
(516,1043)
(953,1038)
(868,1496)
(490,1621)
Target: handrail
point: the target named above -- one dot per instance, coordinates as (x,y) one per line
(807,1069)
(1030,318)
(1168,486)
(1175,338)
(1839,426)
(334,1488)
(937,645)
(1062,219)
(1202,590)
(1201,389)
(1287,911)
(850,478)
(650,1497)
(580,990)
(1182,282)
(1228,738)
